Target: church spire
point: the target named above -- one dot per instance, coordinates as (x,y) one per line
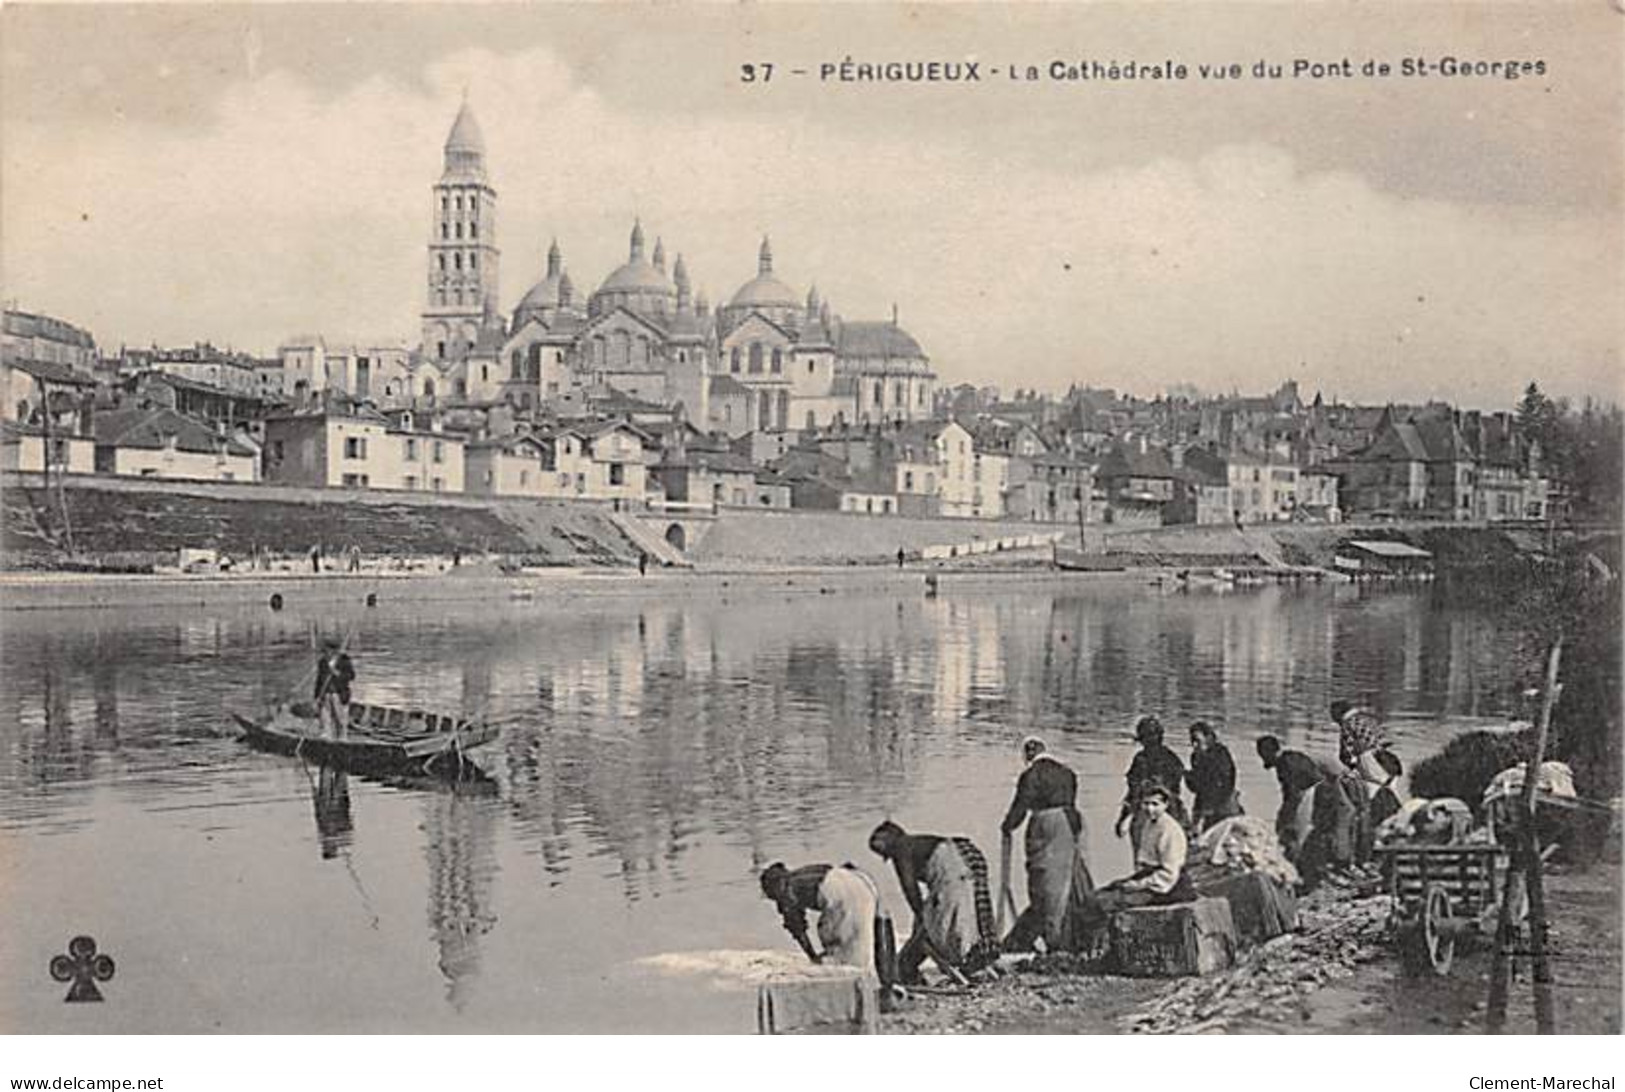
(660,255)
(679,274)
(465,144)
(637,240)
(764,257)
(555,260)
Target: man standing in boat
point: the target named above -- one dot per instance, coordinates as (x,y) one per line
(334,674)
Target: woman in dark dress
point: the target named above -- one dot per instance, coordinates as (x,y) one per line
(1212,778)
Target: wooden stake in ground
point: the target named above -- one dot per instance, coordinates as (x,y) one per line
(1004,896)
(1527,869)
(1544,1023)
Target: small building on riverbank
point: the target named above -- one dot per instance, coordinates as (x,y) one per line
(22,447)
(159,442)
(1383,558)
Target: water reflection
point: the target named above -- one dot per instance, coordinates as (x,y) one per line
(334,826)
(458,845)
(655,754)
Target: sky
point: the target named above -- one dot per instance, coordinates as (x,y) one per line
(244,174)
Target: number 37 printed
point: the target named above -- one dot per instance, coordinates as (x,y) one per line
(756,73)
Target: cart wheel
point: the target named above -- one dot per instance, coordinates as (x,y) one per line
(1438,940)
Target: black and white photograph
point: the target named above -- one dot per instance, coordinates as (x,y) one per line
(779,519)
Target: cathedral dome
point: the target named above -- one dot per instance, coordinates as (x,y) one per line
(765,290)
(551,293)
(640,285)
(637,276)
(542,295)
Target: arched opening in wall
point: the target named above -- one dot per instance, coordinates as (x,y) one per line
(675,537)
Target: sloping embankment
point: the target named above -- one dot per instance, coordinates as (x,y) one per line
(132,525)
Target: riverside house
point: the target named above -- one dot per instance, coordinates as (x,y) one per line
(519,465)
(353,445)
(158,442)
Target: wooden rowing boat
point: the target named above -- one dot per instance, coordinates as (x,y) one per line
(378,739)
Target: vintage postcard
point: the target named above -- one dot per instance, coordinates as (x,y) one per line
(696,518)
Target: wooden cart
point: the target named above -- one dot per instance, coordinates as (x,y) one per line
(1440,892)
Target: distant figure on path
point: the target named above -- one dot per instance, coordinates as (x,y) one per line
(643,563)
(1212,778)
(355,558)
(900,557)
(945,883)
(847,904)
(334,674)
(316,558)
(1058,883)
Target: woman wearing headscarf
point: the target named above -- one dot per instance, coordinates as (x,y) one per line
(945,883)
(846,902)
(1212,778)
(1058,881)
(1154,764)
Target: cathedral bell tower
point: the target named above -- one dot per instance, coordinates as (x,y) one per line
(463,254)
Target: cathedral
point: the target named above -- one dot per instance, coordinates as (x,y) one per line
(767,359)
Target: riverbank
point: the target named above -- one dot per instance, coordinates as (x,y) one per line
(485,582)
(134,525)
(1339,974)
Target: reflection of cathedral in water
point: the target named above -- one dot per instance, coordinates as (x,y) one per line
(459,834)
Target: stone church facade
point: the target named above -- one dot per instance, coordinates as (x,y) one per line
(767,359)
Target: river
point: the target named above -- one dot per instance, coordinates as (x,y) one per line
(656,755)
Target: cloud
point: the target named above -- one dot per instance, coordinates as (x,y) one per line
(295,211)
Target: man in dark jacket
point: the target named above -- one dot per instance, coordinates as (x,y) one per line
(334,674)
